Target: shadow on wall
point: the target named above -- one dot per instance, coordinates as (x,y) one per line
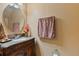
(58,40)
(38,52)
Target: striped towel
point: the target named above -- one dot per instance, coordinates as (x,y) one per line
(46,27)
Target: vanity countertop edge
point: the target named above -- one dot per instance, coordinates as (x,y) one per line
(15,41)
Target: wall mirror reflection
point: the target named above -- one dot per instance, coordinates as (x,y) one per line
(13,18)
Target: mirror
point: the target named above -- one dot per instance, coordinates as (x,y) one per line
(13,18)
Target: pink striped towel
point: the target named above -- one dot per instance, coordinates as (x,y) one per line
(46,27)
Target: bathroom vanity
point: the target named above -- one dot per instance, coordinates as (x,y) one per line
(24,46)
(14,22)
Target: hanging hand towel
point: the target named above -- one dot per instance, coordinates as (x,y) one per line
(46,27)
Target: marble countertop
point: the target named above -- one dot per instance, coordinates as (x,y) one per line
(15,41)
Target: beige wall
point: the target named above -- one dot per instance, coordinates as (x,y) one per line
(67,27)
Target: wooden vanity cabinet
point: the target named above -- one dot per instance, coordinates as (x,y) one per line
(26,48)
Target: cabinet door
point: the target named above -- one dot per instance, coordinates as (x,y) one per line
(30,51)
(1,52)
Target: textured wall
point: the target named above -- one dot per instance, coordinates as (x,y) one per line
(67,27)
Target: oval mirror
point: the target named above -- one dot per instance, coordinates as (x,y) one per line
(13,18)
